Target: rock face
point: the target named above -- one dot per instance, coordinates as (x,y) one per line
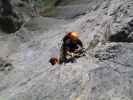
(9,20)
(14,13)
(105,73)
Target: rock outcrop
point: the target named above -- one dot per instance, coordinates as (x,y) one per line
(13,14)
(9,20)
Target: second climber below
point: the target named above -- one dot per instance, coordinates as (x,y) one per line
(71,47)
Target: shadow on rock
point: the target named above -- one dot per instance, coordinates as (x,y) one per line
(124,35)
(5,65)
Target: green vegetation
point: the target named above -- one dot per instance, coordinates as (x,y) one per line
(48,7)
